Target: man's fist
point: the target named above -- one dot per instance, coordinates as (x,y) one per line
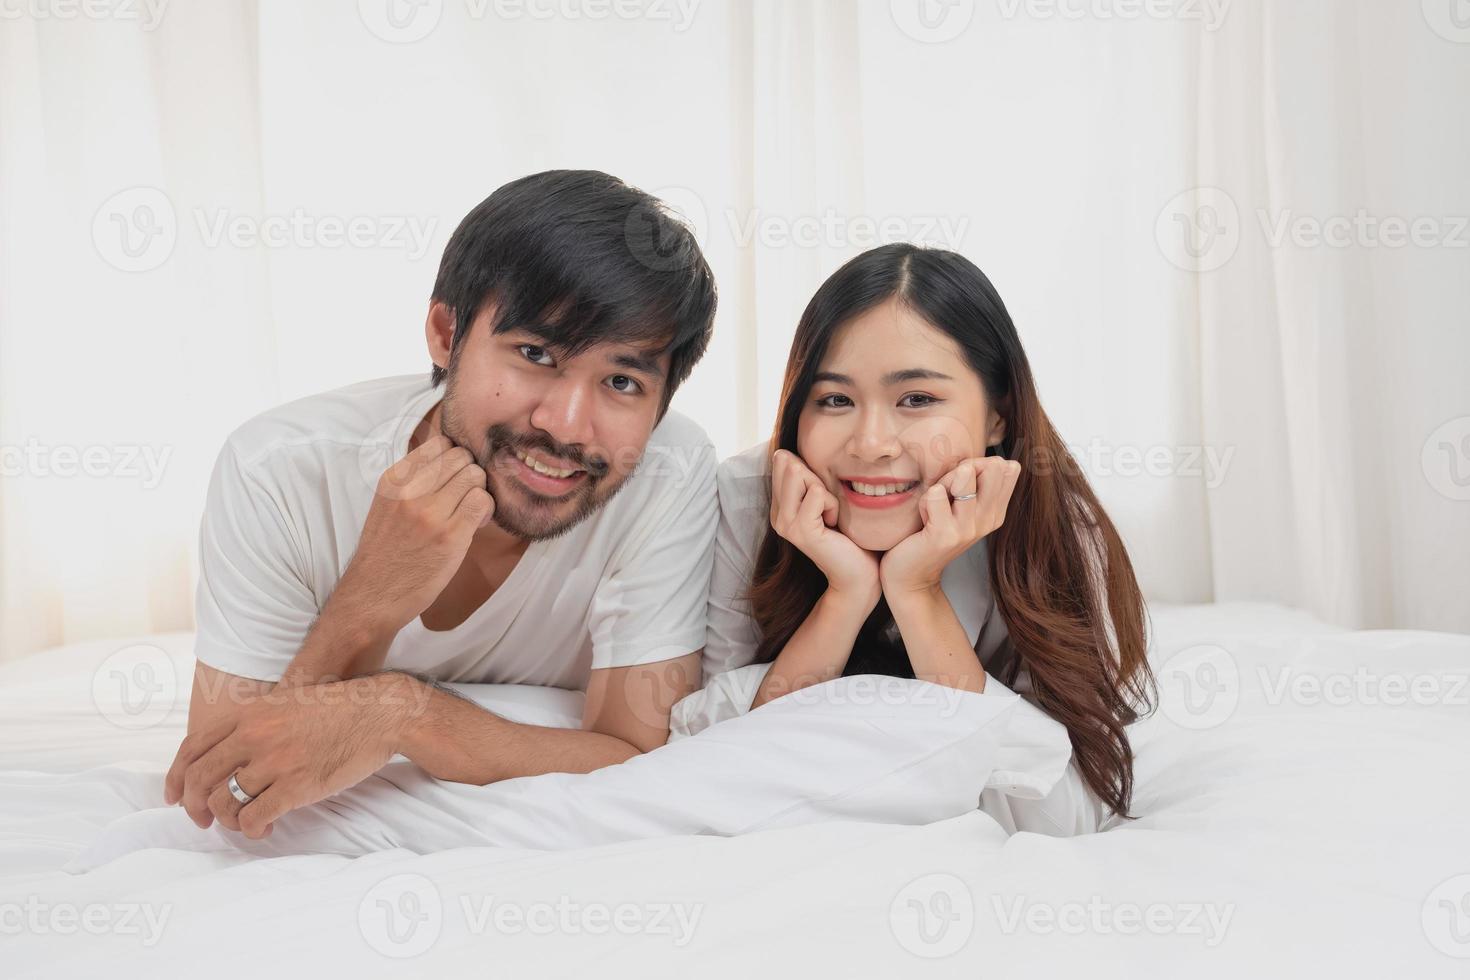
(424,515)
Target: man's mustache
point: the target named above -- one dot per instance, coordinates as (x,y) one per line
(503,437)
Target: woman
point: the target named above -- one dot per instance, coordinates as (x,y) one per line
(916,514)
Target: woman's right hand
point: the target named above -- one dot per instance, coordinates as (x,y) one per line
(804,512)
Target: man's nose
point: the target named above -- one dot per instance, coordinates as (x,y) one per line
(565,412)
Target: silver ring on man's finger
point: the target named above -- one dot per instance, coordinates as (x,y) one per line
(234,787)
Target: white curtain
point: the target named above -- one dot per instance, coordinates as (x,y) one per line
(207,209)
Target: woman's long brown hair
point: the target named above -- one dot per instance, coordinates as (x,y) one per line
(1059,573)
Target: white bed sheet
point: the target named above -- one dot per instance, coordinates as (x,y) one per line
(1282,834)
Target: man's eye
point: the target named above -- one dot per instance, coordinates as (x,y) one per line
(623,383)
(536,355)
(834,401)
(917,401)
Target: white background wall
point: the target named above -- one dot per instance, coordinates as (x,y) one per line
(1265,414)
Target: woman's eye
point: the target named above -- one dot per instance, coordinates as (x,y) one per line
(917,401)
(834,401)
(536,355)
(623,383)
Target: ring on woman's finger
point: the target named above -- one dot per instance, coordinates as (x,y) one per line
(965,496)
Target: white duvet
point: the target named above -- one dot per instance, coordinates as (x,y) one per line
(875,749)
(1304,796)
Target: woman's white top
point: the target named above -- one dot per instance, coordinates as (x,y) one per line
(732,638)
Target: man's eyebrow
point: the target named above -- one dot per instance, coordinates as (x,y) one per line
(642,362)
(891,378)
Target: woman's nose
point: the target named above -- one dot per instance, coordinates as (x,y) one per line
(876,438)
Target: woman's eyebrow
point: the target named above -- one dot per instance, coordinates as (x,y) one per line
(914,374)
(891,378)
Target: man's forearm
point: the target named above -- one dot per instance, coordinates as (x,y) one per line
(453,738)
(344,641)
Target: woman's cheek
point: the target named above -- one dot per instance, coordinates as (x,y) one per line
(938,444)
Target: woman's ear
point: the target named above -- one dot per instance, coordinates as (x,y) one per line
(995,430)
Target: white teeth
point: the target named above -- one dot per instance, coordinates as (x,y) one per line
(881,489)
(543,468)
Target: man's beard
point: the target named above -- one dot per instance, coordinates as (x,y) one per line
(519,510)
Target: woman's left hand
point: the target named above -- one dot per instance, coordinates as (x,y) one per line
(917,562)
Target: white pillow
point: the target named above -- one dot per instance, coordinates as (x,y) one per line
(862,748)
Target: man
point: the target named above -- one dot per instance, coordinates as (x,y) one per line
(547,521)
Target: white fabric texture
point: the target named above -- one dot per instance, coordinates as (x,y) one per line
(1052,146)
(1033,785)
(873,749)
(292,489)
(1261,849)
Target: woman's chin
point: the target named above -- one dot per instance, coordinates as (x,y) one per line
(878,533)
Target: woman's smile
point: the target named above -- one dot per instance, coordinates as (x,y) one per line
(879,494)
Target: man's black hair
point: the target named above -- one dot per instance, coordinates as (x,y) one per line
(581,258)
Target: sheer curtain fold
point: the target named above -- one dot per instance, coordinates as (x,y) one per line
(168,196)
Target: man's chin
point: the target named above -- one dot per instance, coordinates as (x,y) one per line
(536,523)
(526,514)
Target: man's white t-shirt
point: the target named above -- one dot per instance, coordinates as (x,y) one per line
(290,493)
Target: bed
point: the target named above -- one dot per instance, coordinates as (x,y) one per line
(1304,802)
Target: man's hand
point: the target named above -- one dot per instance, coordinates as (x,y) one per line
(291,748)
(424,515)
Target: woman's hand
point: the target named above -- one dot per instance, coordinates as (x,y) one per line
(804,512)
(916,563)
